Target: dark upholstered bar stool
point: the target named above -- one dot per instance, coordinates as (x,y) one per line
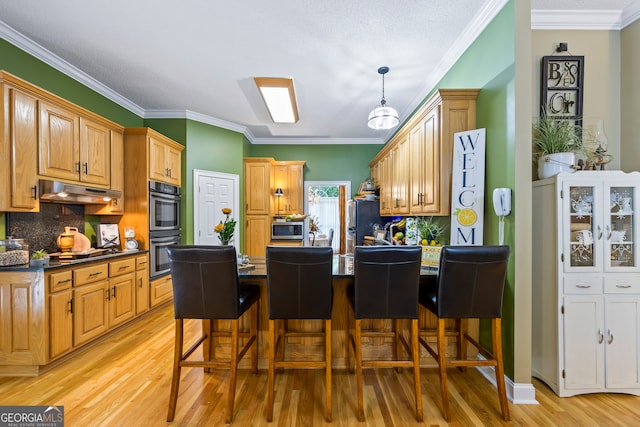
(206,286)
(470,286)
(385,287)
(299,286)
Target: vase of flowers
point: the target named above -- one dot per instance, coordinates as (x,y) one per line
(225,229)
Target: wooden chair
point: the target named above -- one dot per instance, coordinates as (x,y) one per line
(470,285)
(385,287)
(299,286)
(206,286)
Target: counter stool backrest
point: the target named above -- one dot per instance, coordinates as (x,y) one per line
(386,282)
(205,282)
(471,281)
(300,282)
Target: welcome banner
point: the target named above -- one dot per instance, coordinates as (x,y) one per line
(467,187)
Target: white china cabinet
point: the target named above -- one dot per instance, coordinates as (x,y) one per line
(586,282)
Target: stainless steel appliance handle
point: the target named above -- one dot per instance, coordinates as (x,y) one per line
(164,240)
(164,196)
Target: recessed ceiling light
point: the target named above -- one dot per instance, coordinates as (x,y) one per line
(280,98)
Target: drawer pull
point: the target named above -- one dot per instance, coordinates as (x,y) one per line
(122,267)
(623,286)
(583,286)
(63,281)
(97,273)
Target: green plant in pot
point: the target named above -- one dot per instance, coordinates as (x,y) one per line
(556,141)
(39,258)
(430,231)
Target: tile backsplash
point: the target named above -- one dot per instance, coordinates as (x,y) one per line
(40,230)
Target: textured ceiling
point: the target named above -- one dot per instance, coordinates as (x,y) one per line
(198,58)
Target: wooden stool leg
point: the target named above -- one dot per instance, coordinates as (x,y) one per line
(497,352)
(253,332)
(358,345)
(415,347)
(231,393)
(175,379)
(350,340)
(272,370)
(209,344)
(442,368)
(397,348)
(327,355)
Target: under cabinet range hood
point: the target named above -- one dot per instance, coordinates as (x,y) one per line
(61,192)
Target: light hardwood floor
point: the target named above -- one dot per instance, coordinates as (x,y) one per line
(125,380)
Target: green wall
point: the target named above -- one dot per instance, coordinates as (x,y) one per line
(325,162)
(488,64)
(27,67)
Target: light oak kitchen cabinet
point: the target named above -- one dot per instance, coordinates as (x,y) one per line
(90,300)
(261,178)
(257,186)
(160,290)
(115,206)
(73,147)
(287,175)
(425,163)
(142,284)
(60,312)
(257,201)
(164,160)
(45,136)
(19,150)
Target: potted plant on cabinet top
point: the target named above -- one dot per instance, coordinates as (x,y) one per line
(556,141)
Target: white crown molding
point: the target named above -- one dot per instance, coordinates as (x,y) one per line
(576,19)
(630,14)
(198,117)
(46,56)
(461,44)
(318,141)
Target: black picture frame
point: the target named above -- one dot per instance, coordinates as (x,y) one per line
(561,88)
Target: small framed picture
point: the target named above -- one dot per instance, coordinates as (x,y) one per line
(561,88)
(107,236)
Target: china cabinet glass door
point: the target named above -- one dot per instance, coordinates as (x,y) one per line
(581,206)
(620,228)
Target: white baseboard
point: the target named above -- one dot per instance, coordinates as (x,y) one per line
(517,393)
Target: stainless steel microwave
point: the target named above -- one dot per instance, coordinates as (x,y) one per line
(289,230)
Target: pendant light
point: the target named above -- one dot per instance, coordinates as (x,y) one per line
(383,117)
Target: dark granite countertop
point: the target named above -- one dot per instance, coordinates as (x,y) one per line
(57,264)
(342,268)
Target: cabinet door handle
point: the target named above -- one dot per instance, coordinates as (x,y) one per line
(35,192)
(599,232)
(583,286)
(114,292)
(108,294)
(86,168)
(71,305)
(623,286)
(78,168)
(600,337)
(140,286)
(610,335)
(608,232)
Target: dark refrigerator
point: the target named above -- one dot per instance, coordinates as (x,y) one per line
(363,214)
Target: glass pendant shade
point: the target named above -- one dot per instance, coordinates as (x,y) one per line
(383,117)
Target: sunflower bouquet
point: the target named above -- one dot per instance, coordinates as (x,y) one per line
(225,229)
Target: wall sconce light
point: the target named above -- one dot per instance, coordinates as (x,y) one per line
(279,194)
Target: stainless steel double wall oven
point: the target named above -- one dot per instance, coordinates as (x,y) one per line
(164,225)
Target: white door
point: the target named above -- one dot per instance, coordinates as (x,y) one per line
(214,191)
